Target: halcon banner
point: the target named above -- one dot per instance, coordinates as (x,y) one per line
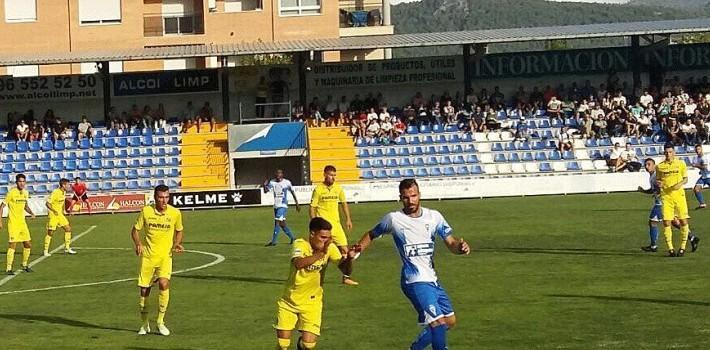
(119,203)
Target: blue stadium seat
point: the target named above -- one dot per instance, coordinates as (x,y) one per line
(134,132)
(412,130)
(441,139)
(391,163)
(451,128)
(510,146)
(3,190)
(546,134)
(41,189)
(8,158)
(19,167)
(70,144)
(134,163)
(437,128)
(540,156)
(435,172)
(545,167)
(132,174)
(538,145)
(147,152)
(55,178)
(377,152)
(417,151)
(445,160)
(144,185)
(524,146)
(573,166)
(58,156)
(106,175)
(95,164)
(174,172)
(35,146)
(174,151)
(134,142)
(432,161)
(449,171)
(403,152)
(22,146)
(33,157)
(424,129)
(409,173)
(605,142)
(132,185)
(45,167)
(111,142)
(121,153)
(94,186)
(467,138)
(367,175)
(160,162)
(430,150)
(59,145)
(472,158)
(514,158)
(70,165)
(395,174)
(405,162)
(591,143)
(70,156)
(555,155)
(122,164)
(173,141)
(10,147)
(556,123)
(639,152)
(401,140)
(107,164)
(646,140)
(391,152)
(418,162)
(134,153)
(57,166)
(159,141)
(499,158)
(4,179)
(43,178)
(145,174)
(92,176)
(527,157)
(444,149)
(378,163)
(119,175)
(462,171)
(96,142)
(359,142)
(652,151)
(497,147)
(457,149)
(122,142)
(415,141)
(470,148)
(459,160)
(428,140)
(422,172)
(362,153)
(46,156)
(595,154)
(119,186)
(633,140)
(381,174)
(568,155)
(85,143)
(455,138)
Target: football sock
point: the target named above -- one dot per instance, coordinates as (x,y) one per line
(67,240)
(288,233)
(684,230)
(653,232)
(163,299)
(275,236)
(10,258)
(305,345)
(668,234)
(25,256)
(699,197)
(423,340)
(143,310)
(283,344)
(438,337)
(47,242)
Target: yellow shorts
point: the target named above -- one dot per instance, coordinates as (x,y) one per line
(153,268)
(304,318)
(57,221)
(339,237)
(674,204)
(18,233)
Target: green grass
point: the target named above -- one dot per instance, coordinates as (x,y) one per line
(546,273)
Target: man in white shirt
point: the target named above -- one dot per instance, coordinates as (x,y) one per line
(22,131)
(84,128)
(689,132)
(690,107)
(646,99)
(386,129)
(616,160)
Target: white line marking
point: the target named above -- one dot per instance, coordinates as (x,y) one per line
(218,259)
(41,258)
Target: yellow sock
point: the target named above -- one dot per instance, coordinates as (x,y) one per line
(25,256)
(305,345)
(283,344)
(143,310)
(163,300)
(668,234)
(10,258)
(684,231)
(47,242)
(67,240)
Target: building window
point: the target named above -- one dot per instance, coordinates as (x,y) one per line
(179,64)
(178,17)
(299,7)
(23,71)
(242,5)
(99,11)
(20,11)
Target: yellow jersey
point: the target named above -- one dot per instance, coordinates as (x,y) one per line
(326,199)
(160,229)
(670,173)
(56,201)
(16,201)
(305,286)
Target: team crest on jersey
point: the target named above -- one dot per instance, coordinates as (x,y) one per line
(432,310)
(427,227)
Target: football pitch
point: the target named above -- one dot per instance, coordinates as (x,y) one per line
(553,272)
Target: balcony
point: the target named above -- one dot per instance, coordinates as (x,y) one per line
(363,17)
(167,24)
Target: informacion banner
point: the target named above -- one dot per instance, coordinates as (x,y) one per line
(214,199)
(118,203)
(427,70)
(60,87)
(166,82)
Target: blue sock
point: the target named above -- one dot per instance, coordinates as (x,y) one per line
(288,233)
(653,232)
(277,228)
(423,339)
(438,337)
(699,197)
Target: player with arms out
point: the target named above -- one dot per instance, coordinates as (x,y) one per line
(326,199)
(280,186)
(80,195)
(656,214)
(55,206)
(163,237)
(301,304)
(672,175)
(17,202)
(702,163)
(414,230)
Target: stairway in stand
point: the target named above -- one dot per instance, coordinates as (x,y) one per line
(205,158)
(332,146)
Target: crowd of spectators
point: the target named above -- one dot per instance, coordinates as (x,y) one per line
(27,127)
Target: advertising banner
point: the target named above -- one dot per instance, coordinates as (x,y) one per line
(52,88)
(166,82)
(118,203)
(214,199)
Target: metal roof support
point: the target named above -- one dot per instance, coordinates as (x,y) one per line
(301,62)
(224,75)
(106,82)
(466,69)
(636,62)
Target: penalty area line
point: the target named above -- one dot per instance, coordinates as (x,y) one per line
(41,258)
(218,259)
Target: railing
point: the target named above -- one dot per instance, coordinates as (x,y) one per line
(266,112)
(298,145)
(172,24)
(360,13)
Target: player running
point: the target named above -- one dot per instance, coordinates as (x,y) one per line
(656,214)
(55,207)
(17,202)
(672,175)
(702,162)
(324,203)
(301,304)
(414,230)
(279,186)
(80,194)
(163,236)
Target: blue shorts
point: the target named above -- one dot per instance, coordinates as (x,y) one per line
(656,214)
(429,300)
(702,182)
(280,214)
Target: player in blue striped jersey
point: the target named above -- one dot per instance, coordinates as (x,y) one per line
(280,187)
(702,163)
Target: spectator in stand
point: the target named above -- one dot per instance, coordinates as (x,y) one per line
(565,142)
(521,97)
(160,118)
(673,133)
(49,119)
(373,129)
(297,112)
(387,130)
(521,130)
(450,113)
(478,120)
(188,116)
(471,98)
(57,129)
(410,115)
(206,115)
(690,107)
(84,129)
(384,115)
(497,97)
(344,110)
(111,116)
(357,105)
(399,127)
(554,108)
(331,111)
(689,132)
(120,122)
(36,131)
(646,99)
(418,100)
(22,131)
(616,162)
(631,160)
(492,119)
(536,96)
(436,114)
(146,118)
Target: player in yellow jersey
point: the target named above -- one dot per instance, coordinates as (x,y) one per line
(17,203)
(326,199)
(301,303)
(671,176)
(162,225)
(55,206)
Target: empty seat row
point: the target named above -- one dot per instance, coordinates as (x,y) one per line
(437,128)
(522,146)
(528,156)
(97,142)
(418,161)
(414,151)
(422,172)
(85,164)
(99,154)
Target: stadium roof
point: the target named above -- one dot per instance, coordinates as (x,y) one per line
(487,36)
